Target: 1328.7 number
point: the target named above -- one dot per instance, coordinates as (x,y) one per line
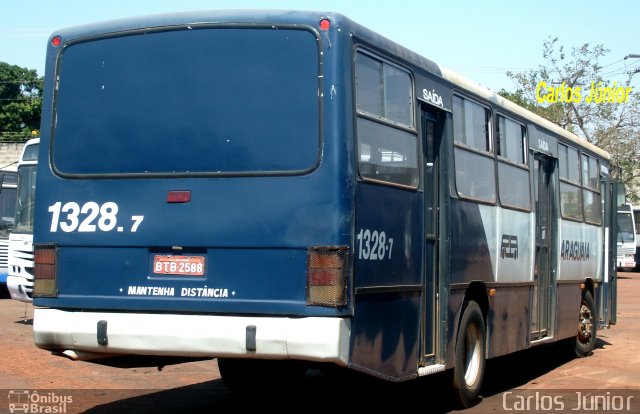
(89,217)
(374,245)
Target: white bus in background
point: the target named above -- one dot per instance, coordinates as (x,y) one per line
(636,220)
(7,213)
(20,278)
(626,238)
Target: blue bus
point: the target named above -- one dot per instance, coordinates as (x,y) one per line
(268,187)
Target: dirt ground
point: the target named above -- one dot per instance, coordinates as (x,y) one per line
(544,378)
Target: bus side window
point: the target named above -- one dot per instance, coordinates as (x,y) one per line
(592,204)
(387,142)
(475,171)
(570,191)
(387,154)
(513,171)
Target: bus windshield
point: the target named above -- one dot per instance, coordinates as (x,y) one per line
(200,101)
(26,199)
(7,209)
(625,227)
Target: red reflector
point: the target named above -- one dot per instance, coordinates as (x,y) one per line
(45,271)
(179,196)
(56,41)
(324,277)
(45,256)
(325,24)
(327,269)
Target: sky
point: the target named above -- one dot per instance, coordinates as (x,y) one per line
(481,40)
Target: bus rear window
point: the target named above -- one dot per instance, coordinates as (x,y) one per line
(203,101)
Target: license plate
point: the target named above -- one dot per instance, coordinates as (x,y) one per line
(178,265)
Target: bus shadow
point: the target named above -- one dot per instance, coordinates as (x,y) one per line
(4,291)
(320,391)
(344,389)
(517,369)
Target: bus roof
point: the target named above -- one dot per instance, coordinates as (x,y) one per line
(502,102)
(473,87)
(293,17)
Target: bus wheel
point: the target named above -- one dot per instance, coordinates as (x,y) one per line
(470,356)
(586,338)
(257,375)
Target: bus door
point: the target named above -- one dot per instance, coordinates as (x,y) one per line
(543,280)
(432,129)
(388,251)
(613,194)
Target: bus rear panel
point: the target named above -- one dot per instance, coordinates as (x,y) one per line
(192,180)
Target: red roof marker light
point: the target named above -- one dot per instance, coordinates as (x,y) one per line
(325,24)
(55,42)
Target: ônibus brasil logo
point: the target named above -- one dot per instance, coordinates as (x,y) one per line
(26,401)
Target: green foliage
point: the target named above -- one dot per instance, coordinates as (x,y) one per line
(613,126)
(20,102)
(551,112)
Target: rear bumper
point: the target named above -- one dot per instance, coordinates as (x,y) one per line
(20,288)
(626,264)
(311,339)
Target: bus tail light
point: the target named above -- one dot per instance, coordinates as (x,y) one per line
(45,272)
(327,271)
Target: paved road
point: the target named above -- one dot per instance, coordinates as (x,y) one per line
(545,378)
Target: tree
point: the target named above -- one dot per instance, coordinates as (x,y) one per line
(20,102)
(563,88)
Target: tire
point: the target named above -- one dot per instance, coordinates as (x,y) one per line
(585,340)
(257,375)
(470,351)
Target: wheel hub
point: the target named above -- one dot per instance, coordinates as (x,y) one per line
(585,323)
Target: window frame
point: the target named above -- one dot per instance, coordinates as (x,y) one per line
(587,185)
(384,121)
(564,178)
(563,213)
(587,189)
(488,125)
(525,142)
(382,118)
(503,160)
(473,150)
(597,202)
(578,166)
(527,183)
(582,187)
